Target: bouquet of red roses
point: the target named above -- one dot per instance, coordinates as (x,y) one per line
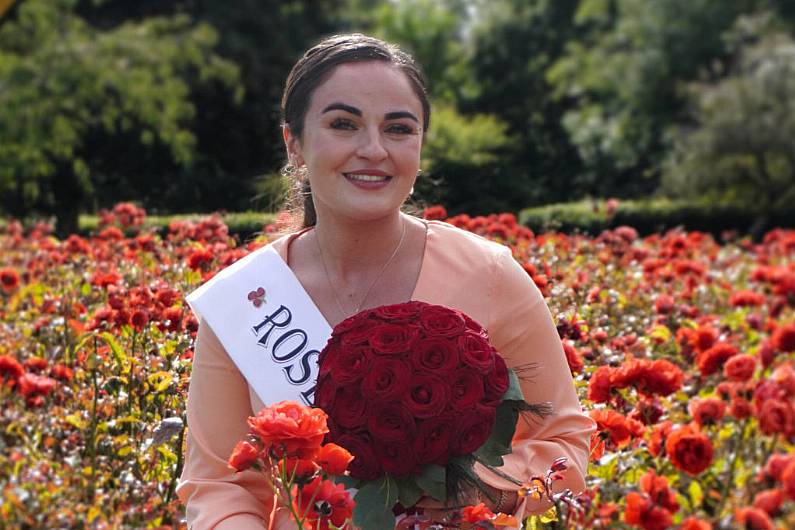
(417,393)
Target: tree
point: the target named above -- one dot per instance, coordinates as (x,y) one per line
(624,72)
(66,82)
(509,48)
(742,149)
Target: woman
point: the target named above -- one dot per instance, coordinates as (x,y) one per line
(355,114)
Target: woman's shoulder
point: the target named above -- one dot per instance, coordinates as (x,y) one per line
(457,239)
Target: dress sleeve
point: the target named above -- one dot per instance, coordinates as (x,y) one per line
(219,404)
(521,328)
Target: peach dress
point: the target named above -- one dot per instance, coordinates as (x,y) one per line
(459,270)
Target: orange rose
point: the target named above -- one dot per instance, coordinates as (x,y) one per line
(740,367)
(243,456)
(753,518)
(290,429)
(693,523)
(333,459)
(707,411)
(769,501)
(474,514)
(297,468)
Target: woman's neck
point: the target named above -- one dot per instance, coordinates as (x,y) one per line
(351,247)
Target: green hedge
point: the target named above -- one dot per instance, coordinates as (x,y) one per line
(650,216)
(243,224)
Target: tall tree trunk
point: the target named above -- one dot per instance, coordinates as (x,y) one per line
(69,197)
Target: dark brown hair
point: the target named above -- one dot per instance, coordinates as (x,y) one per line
(313,69)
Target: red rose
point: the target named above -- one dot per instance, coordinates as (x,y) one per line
(599,386)
(476,351)
(387,339)
(472,430)
(351,363)
(326,358)
(441,322)
(788,479)
(387,379)
(471,324)
(708,410)
(398,458)
(365,465)
(432,442)
(497,383)
(435,354)
(390,422)
(769,500)
(325,391)
(323,503)
(398,312)
(467,389)
(427,395)
(776,415)
(350,407)
(9,279)
(740,367)
(641,511)
(689,450)
(753,518)
(359,333)
(298,468)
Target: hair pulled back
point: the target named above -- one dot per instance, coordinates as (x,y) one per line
(313,69)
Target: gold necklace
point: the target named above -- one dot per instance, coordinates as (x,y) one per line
(378,276)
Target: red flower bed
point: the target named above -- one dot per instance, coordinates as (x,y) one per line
(682,350)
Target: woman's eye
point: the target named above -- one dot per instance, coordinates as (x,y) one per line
(399,128)
(342,123)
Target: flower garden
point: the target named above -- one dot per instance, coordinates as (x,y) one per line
(682,350)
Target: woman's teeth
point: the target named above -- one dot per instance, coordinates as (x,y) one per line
(367,178)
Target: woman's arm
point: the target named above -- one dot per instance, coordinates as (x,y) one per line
(521,328)
(218,406)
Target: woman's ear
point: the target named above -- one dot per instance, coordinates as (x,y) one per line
(293,147)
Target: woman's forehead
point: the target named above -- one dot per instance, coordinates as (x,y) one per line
(375,86)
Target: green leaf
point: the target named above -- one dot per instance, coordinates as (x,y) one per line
(374,502)
(160,380)
(409,492)
(348,482)
(118,353)
(499,443)
(433,482)
(514,392)
(696,494)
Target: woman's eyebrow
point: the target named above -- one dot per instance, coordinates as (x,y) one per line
(344,107)
(400,114)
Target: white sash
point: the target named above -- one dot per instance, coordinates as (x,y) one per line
(273,335)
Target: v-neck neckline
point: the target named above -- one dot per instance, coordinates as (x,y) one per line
(284,252)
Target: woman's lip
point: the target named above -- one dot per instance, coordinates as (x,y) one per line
(367,184)
(374,172)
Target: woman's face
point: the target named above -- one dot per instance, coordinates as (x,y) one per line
(361,141)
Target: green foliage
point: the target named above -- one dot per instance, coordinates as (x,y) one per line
(623,74)
(511,44)
(243,224)
(431,31)
(743,149)
(649,216)
(66,82)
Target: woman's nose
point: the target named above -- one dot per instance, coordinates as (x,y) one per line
(372,146)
